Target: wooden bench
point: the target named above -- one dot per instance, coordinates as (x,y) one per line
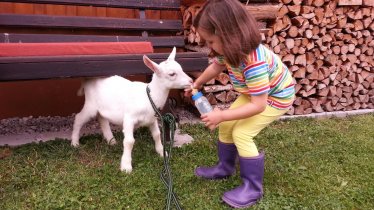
(135,26)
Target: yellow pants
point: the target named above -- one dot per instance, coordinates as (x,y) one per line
(241,132)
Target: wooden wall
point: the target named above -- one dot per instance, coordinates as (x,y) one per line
(23,8)
(65,10)
(58,97)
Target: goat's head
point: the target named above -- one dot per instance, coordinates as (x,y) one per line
(169,72)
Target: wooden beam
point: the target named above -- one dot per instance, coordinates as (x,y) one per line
(263,11)
(368,3)
(162,41)
(50,21)
(257,1)
(47,67)
(350,2)
(135,4)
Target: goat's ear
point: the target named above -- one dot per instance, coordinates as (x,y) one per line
(172,55)
(150,64)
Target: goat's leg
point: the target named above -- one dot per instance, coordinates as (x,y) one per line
(80,119)
(128,143)
(155,130)
(105,128)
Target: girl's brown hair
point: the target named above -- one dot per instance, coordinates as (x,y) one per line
(232,23)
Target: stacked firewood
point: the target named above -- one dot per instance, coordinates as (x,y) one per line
(189,15)
(262,12)
(327,44)
(329,49)
(220,91)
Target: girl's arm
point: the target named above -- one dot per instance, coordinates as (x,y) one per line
(209,73)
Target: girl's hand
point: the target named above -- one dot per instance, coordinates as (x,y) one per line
(188,91)
(212,119)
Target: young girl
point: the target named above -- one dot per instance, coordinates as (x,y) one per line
(267,92)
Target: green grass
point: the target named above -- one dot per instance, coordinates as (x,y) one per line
(310,164)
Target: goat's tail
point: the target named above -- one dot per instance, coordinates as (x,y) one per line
(80,91)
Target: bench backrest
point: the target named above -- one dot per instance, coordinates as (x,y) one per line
(136,23)
(44,21)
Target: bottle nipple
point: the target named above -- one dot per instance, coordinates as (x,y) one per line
(194,91)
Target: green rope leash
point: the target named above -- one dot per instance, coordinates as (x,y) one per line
(166,178)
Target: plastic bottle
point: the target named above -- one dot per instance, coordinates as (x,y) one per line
(201,102)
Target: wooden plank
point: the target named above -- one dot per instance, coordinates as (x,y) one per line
(23,8)
(49,21)
(257,1)
(263,11)
(6,8)
(368,3)
(47,67)
(350,2)
(54,10)
(135,4)
(121,13)
(70,10)
(83,11)
(157,56)
(164,41)
(39,9)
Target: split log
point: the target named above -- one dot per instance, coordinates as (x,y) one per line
(329,49)
(217,88)
(263,12)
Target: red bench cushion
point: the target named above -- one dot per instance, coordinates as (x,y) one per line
(81,48)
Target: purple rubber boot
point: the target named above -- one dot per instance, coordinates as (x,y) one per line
(226,165)
(252,174)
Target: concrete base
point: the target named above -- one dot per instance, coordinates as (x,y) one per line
(26,138)
(331,114)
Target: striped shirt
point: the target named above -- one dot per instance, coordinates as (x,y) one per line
(263,73)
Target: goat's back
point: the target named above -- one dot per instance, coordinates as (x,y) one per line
(115,96)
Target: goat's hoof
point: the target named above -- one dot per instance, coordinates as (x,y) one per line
(126,169)
(75,144)
(112,142)
(160,151)
(162,154)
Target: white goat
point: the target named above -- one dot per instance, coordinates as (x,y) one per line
(122,102)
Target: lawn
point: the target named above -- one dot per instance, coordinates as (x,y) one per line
(310,164)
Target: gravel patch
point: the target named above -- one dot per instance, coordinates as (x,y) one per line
(18,131)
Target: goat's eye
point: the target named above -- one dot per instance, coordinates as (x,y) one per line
(172,74)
